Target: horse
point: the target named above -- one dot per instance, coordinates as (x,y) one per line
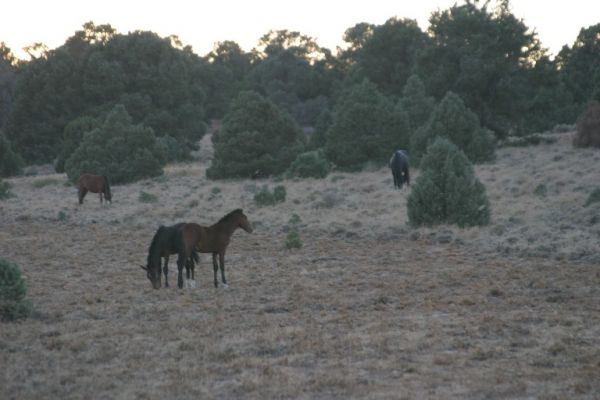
(210,239)
(95,184)
(400,168)
(164,243)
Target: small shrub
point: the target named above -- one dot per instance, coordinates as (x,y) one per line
(216,190)
(293,240)
(311,164)
(4,190)
(594,197)
(146,197)
(63,216)
(40,183)
(447,191)
(294,219)
(13,304)
(588,127)
(267,198)
(540,190)
(529,140)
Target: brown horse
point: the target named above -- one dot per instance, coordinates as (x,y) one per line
(210,239)
(95,184)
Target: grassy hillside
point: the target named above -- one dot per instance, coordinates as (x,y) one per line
(368,307)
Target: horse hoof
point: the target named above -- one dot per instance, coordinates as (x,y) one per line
(225,286)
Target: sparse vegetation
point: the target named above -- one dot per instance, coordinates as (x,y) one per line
(40,183)
(265,197)
(594,197)
(4,190)
(292,240)
(146,197)
(540,190)
(13,291)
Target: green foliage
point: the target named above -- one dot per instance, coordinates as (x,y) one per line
(318,139)
(292,240)
(13,302)
(265,197)
(118,149)
(146,197)
(256,139)
(173,149)
(453,120)
(10,162)
(311,164)
(62,216)
(72,137)
(528,140)
(366,127)
(594,197)
(447,191)
(495,63)
(384,54)
(588,127)
(540,190)
(4,190)
(415,101)
(159,81)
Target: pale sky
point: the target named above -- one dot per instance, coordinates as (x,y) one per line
(203,23)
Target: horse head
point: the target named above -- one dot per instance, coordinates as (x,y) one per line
(153,274)
(243,222)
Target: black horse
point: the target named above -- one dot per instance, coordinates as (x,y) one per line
(400,168)
(164,243)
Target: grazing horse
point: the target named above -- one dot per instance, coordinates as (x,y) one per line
(211,239)
(164,243)
(399,166)
(95,184)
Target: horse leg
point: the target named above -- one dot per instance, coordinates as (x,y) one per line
(166,270)
(100,194)
(82,193)
(215,268)
(180,264)
(222,262)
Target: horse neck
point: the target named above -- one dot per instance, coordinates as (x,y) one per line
(227,226)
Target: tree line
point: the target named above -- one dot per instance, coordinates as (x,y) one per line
(476,75)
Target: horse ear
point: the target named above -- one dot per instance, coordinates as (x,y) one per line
(144,268)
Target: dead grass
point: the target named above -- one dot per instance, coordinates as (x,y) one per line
(367,308)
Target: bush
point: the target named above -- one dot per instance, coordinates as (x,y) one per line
(594,197)
(4,190)
(367,126)
(292,240)
(447,191)
(118,149)
(588,127)
(453,120)
(416,103)
(146,197)
(10,162)
(72,137)
(311,164)
(257,139)
(267,198)
(13,304)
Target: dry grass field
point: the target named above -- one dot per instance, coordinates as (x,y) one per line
(367,308)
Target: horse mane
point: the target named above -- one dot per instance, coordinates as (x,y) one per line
(231,214)
(154,244)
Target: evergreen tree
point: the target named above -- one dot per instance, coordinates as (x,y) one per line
(366,127)
(72,137)
(415,101)
(119,149)
(10,162)
(447,191)
(13,302)
(257,139)
(453,120)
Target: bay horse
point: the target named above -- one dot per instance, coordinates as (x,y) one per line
(164,243)
(400,168)
(95,184)
(210,239)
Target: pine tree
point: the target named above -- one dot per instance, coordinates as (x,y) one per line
(119,149)
(415,101)
(453,120)
(447,191)
(256,139)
